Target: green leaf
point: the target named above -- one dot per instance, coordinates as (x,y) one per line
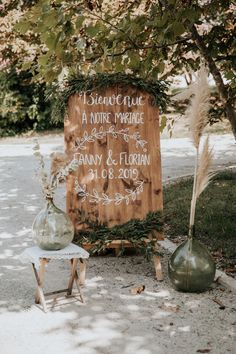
(160,22)
(154,72)
(119,67)
(134,60)
(136,28)
(68,28)
(26,66)
(51,18)
(50,75)
(178,28)
(161,66)
(79,22)
(229,75)
(92,31)
(190,14)
(46,7)
(163,123)
(22,26)
(50,39)
(43,59)
(67,57)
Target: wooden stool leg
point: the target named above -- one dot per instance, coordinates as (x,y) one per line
(74,262)
(158,269)
(39,296)
(78,286)
(82,274)
(75,277)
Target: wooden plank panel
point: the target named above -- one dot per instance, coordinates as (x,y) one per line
(121,148)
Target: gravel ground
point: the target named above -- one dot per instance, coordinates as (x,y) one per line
(112,321)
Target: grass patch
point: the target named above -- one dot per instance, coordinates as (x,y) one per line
(215,215)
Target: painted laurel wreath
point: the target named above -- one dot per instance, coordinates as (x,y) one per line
(101,133)
(118,198)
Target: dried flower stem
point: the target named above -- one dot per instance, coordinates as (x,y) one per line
(62,166)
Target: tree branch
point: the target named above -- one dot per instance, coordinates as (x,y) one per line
(112,25)
(226,57)
(224,93)
(208,58)
(151,46)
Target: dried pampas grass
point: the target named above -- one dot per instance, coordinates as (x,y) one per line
(203,174)
(197,113)
(199,107)
(198,116)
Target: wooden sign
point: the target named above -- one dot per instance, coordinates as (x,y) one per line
(114,134)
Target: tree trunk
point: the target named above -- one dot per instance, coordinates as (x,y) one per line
(228,103)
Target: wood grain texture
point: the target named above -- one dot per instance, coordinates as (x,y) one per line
(151,197)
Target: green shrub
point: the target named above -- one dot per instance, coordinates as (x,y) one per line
(23,105)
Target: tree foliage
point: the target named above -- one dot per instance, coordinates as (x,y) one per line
(155,39)
(16,48)
(152,39)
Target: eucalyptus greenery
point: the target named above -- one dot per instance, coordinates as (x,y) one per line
(135,231)
(60,94)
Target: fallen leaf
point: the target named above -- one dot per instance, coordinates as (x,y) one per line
(137,289)
(230,270)
(218,302)
(217,254)
(203,350)
(170,307)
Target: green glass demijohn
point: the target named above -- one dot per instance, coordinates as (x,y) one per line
(52,228)
(191,267)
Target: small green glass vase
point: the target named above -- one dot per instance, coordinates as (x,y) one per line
(191,267)
(52,228)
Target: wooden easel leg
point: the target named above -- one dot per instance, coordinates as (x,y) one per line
(117,251)
(39,296)
(82,265)
(74,262)
(158,269)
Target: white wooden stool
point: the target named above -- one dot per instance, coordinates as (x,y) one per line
(39,258)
